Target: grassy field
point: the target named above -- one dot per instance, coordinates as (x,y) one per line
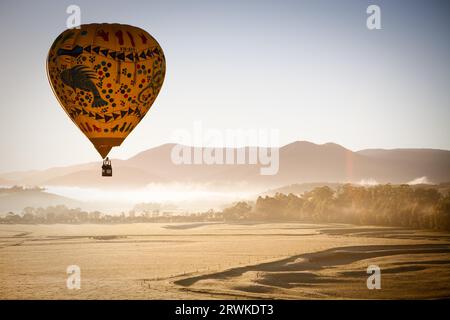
(218,260)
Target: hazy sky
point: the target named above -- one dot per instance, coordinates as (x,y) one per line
(308,68)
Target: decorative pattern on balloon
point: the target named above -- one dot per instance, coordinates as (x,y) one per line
(106,77)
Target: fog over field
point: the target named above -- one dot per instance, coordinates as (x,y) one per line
(186,197)
(152,176)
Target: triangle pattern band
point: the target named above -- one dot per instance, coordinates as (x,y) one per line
(115,55)
(106,116)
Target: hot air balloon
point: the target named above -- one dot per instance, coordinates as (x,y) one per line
(106,78)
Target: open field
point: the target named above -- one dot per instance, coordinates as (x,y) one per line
(218,260)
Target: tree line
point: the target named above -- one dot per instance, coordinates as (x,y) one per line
(63,214)
(384,205)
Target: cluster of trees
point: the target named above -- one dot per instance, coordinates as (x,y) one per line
(52,214)
(154,208)
(385,205)
(62,214)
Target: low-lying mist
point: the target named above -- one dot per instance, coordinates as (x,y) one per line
(183,197)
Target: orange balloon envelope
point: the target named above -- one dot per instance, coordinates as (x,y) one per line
(106,77)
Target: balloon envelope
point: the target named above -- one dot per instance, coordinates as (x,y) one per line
(106,77)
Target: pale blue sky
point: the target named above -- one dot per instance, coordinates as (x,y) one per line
(308,68)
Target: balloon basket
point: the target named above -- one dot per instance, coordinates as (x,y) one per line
(106,168)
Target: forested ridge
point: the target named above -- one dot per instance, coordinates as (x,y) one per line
(384,205)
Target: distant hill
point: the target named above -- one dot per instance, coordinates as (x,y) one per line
(406,163)
(300,162)
(15,199)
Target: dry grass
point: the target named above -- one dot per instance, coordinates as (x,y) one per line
(179,261)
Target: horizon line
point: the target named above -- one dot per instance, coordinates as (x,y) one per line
(223,147)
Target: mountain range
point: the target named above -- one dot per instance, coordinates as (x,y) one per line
(299,162)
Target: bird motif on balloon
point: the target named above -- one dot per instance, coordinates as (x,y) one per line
(80,77)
